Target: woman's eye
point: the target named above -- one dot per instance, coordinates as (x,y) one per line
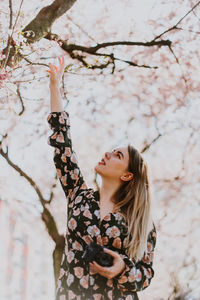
(118,155)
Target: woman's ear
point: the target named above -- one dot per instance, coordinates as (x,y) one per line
(127,176)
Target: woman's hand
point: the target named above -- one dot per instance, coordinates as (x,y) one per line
(56,73)
(109,272)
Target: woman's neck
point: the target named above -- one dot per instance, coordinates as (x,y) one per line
(107,192)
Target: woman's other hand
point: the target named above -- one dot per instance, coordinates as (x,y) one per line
(109,272)
(56,73)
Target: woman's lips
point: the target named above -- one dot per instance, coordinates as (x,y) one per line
(102,162)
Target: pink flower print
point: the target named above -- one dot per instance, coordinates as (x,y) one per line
(57,150)
(59,172)
(107,217)
(106,225)
(138,275)
(129,297)
(93,230)
(146,259)
(64,180)
(148,273)
(113,232)
(117,243)
(110,283)
(97,296)
(97,213)
(87,223)
(60,138)
(74,175)
(70,256)
(122,279)
(118,217)
(61,119)
(87,214)
(110,295)
(69,135)
(64,159)
(53,136)
(83,186)
(87,239)
(78,271)
(76,212)
(71,295)
(74,158)
(72,224)
(146,283)
(68,152)
(105,240)
(78,199)
(77,246)
(149,246)
(64,114)
(70,279)
(84,282)
(151,256)
(99,240)
(66,249)
(73,193)
(61,274)
(131,277)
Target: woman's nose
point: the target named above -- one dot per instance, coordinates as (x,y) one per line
(107,155)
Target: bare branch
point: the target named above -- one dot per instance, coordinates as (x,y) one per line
(175,27)
(6,51)
(21,100)
(152,142)
(37,28)
(46,215)
(71,48)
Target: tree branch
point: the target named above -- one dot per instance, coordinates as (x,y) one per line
(175,26)
(152,142)
(46,215)
(38,28)
(71,48)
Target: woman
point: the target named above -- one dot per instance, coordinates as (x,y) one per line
(116,217)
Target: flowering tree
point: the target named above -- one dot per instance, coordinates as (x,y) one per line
(136,69)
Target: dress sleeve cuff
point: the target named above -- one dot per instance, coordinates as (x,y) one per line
(127,269)
(58,119)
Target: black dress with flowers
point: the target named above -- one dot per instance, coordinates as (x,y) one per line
(84,226)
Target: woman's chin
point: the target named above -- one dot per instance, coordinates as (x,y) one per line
(97,168)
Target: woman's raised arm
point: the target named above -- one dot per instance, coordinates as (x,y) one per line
(65,159)
(56,74)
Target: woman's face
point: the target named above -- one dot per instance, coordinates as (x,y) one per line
(114,164)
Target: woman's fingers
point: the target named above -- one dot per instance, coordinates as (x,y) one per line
(56,68)
(113,253)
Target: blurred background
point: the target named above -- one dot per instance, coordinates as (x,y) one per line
(132,75)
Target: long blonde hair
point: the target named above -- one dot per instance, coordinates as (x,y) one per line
(133,199)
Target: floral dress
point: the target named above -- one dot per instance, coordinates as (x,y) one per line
(84,226)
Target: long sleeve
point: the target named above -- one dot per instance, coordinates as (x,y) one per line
(65,159)
(137,275)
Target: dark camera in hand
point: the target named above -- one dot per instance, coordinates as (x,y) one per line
(94,252)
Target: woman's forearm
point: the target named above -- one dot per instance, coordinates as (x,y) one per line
(56,101)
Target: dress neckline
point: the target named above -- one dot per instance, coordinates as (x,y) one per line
(97,197)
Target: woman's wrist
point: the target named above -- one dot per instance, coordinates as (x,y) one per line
(54,85)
